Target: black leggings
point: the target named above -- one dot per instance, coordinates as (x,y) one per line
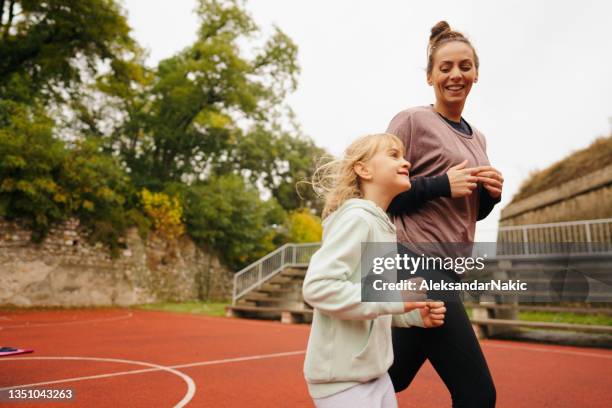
(454,352)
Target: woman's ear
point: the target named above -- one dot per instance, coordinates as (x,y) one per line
(362,170)
(429,81)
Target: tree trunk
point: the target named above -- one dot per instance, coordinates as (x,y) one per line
(10,18)
(1,11)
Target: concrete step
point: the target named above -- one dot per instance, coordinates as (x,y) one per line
(246,302)
(280,279)
(254,296)
(269,286)
(294,273)
(286,315)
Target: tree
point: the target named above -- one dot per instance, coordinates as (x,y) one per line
(43,182)
(225,214)
(88,126)
(47,46)
(206,98)
(303,226)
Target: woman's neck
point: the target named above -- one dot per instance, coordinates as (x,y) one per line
(451,112)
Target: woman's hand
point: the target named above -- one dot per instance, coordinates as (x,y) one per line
(462,181)
(491,179)
(410,306)
(433,314)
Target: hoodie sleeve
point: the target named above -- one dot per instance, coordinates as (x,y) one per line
(327,285)
(486,203)
(412,318)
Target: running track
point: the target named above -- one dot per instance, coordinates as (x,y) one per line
(132,358)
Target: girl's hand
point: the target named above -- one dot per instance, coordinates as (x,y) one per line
(433,314)
(492,180)
(462,181)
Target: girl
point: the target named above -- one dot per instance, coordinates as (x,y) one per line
(454,186)
(349,349)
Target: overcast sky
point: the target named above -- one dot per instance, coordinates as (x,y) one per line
(544,89)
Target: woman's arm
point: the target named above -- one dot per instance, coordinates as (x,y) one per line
(423,189)
(486,202)
(327,285)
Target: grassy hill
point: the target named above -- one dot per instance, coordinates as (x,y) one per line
(577,164)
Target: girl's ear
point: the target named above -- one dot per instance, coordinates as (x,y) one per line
(362,170)
(429,81)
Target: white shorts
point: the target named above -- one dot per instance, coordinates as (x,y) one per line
(378,393)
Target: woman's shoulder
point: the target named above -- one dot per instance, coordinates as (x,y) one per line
(413,116)
(479,136)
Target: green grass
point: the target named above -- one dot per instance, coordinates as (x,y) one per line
(562,317)
(212,308)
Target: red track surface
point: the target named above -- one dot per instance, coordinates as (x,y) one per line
(526,375)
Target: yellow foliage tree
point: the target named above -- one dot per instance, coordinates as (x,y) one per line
(303,226)
(166,213)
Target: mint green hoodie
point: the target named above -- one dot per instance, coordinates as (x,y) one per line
(350,340)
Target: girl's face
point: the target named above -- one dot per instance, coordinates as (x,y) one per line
(453,73)
(389,170)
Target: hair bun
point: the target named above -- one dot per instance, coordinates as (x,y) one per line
(440,28)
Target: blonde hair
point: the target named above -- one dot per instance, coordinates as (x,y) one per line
(336,180)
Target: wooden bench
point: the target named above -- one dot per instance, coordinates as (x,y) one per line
(509,320)
(554,309)
(592,328)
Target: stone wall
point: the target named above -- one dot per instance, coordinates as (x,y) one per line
(588,197)
(65,270)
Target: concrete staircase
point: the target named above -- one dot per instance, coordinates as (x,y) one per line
(278,298)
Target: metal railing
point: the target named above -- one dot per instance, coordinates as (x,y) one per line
(588,236)
(262,270)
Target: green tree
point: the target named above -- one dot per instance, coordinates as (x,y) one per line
(48,46)
(88,125)
(44,181)
(29,157)
(225,214)
(207,97)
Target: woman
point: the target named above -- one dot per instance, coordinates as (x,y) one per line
(453,187)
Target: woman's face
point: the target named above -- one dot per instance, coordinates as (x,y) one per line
(453,73)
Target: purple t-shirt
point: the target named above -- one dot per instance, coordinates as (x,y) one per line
(433,146)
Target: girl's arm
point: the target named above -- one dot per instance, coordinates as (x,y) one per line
(412,318)
(327,285)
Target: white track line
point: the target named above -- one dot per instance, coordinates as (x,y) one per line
(109,319)
(544,350)
(191,387)
(239,359)
(146,370)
